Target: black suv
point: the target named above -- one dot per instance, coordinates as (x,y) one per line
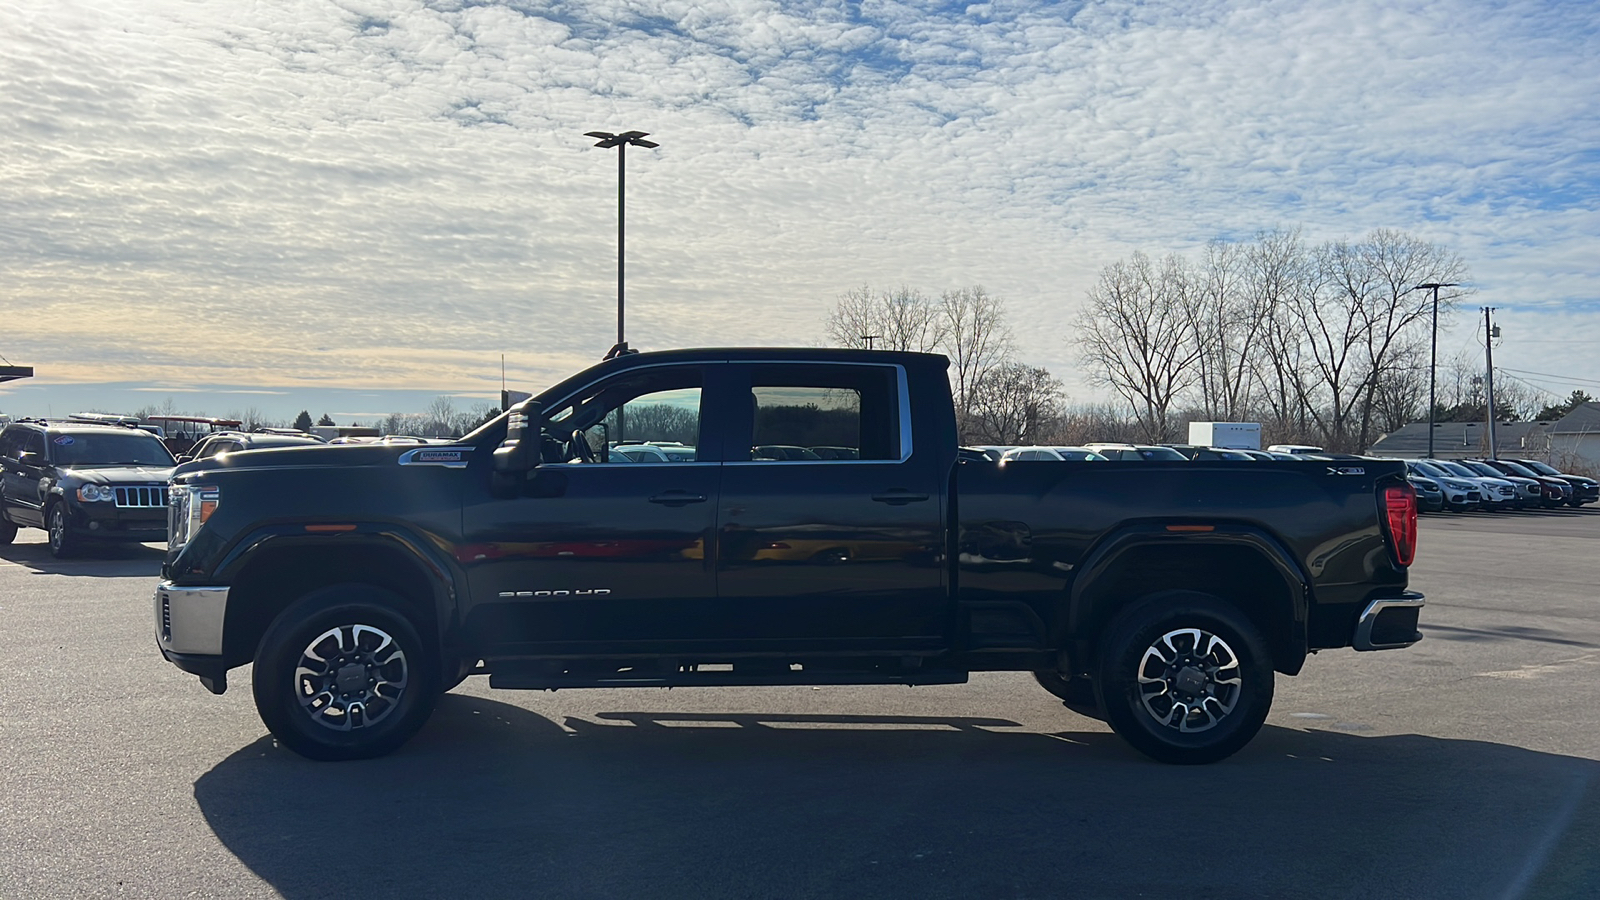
(83,483)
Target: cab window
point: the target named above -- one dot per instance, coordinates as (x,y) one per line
(824,413)
(646,417)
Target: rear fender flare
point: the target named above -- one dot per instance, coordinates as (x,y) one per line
(1089,607)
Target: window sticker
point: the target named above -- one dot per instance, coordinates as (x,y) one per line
(64,440)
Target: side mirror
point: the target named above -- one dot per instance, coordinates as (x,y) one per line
(31,458)
(518,454)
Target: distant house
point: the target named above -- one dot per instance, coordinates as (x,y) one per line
(1461,440)
(1575,439)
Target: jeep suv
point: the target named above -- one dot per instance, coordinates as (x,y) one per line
(83,483)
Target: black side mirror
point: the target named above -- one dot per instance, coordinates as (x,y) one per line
(518,454)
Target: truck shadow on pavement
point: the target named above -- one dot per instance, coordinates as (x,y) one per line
(492,800)
(99,561)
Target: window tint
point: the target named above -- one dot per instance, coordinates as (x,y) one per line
(817,412)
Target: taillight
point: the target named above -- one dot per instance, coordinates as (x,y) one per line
(1400,508)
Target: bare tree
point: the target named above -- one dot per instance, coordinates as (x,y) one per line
(974,334)
(904,319)
(1397,316)
(1013,404)
(1275,267)
(1229,323)
(1136,335)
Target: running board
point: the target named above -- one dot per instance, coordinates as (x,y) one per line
(525,679)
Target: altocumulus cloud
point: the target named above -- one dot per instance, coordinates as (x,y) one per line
(386,194)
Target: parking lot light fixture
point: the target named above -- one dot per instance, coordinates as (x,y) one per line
(1433,351)
(607,140)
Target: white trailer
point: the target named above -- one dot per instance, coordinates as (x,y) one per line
(1233,435)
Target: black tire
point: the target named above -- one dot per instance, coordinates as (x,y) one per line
(8,531)
(1207,677)
(1075,693)
(62,542)
(365,643)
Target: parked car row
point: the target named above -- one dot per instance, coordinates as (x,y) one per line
(1460,484)
(1496,484)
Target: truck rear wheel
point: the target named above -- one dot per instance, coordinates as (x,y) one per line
(8,530)
(342,674)
(1184,677)
(1076,694)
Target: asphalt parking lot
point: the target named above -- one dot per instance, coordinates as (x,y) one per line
(1465,767)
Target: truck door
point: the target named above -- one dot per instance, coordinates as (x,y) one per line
(842,543)
(599,548)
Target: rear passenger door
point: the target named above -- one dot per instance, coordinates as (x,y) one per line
(829,553)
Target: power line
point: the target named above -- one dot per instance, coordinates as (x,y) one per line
(1548,375)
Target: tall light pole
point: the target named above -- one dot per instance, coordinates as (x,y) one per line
(1490,332)
(1433,352)
(607,140)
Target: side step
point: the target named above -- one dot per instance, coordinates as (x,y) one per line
(534,675)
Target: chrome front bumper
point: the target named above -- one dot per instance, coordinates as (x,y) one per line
(1389,624)
(189,619)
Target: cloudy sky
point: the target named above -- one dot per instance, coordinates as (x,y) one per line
(355,206)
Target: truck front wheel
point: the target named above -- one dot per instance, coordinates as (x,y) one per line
(342,674)
(1184,677)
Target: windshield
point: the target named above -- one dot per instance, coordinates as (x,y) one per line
(1430,470)
(1516,469)
(1484,469)
(82,448)
(1156,453)
(1540,467)
(1457,469)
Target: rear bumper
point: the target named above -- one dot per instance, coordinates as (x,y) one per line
(1389,624)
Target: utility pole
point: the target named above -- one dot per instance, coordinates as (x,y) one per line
(869,338)
(1490,332)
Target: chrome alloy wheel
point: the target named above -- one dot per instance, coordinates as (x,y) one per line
(1189,679)
(350,677)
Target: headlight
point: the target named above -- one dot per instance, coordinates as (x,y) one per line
(192,505)
(96,493)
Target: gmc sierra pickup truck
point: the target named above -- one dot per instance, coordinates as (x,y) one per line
(1160,597)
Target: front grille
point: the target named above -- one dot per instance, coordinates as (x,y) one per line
(142,497)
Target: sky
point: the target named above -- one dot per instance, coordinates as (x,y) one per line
(354,207)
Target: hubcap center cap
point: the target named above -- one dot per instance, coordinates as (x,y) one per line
(351,678)
(1190,680)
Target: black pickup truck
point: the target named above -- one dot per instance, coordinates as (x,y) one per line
(364,581)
